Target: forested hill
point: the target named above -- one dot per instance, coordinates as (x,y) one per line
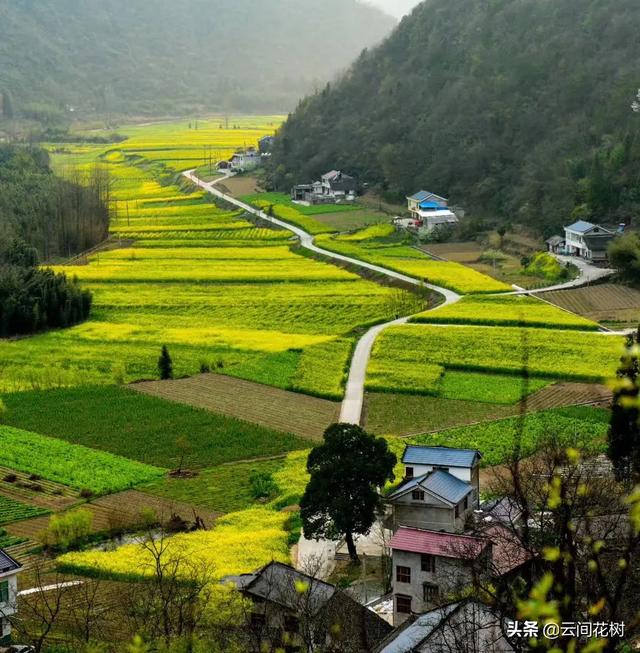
(513,108)
(163,56)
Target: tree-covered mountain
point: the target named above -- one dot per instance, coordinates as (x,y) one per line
(519,109)
(164,56)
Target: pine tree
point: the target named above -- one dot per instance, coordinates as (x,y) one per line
(624,429)
(165,364)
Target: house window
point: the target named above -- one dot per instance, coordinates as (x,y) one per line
(441,468)
(429,592)
(417,495)
(291,624)
(403,574)
(409,472)
(258,619)
(4,591)
(403,604)
(428,563)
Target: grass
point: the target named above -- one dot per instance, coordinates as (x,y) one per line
(546,353)
(582,427)
(282,199)
(7,540)
(402,414)
(507,310)
(144,428)
(70,464)
(227,488)
(12,511)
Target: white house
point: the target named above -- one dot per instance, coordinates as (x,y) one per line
(431,211)
(587,240)
(244,160)
(334,187)
(9,570)
(428,565)
(464,464)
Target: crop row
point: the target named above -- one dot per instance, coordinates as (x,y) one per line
(11,511)
(73,465)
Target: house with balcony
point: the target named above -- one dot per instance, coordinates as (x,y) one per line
(9,570)
(334,187)
(430,211)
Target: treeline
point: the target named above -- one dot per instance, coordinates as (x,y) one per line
(515,109)
(57,217)
(33,299)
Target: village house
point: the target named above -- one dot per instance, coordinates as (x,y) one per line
(464,464)
(430,211)
(429,565)
(265,144)
(334,187)
(589,241)
(300,613)
(467,625)
(245,160)
(436,500)
(9,570)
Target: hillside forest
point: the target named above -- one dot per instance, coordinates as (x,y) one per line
(167,58)
(520,110)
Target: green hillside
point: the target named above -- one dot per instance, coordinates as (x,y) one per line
(165,56)
(513,108)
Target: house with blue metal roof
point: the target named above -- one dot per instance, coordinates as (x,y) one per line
(588,241)
(430,211)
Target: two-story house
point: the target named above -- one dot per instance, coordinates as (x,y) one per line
(464,464)
(437,500)
(587,240)
(428,566)
(334,187)
(296,612)
(9,570)
(430,211)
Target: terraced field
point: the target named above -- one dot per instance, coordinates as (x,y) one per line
(612,305)
(305,416)
(13,511)
(221,291)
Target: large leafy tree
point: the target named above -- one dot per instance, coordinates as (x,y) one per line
(624,428)
(342,497)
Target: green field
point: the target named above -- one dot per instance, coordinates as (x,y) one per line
(143,428)
(227,488)
(582,427)
(70,464)
(379,245)
(11,511)
(421,350)
(507,310)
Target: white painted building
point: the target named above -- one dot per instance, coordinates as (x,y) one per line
(245,160)
(587,240)
(9,570)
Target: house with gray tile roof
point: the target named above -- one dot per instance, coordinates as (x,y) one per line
(587,240)
(9,569)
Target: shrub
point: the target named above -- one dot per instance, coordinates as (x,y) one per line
(165,364)
(262,485)
(68,529)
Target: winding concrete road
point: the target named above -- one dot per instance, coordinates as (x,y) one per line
(351,411)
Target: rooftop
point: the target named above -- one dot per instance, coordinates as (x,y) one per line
(447,545)
(581,226)
(7,563)
(440,483)
(442,456)
(425,195)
